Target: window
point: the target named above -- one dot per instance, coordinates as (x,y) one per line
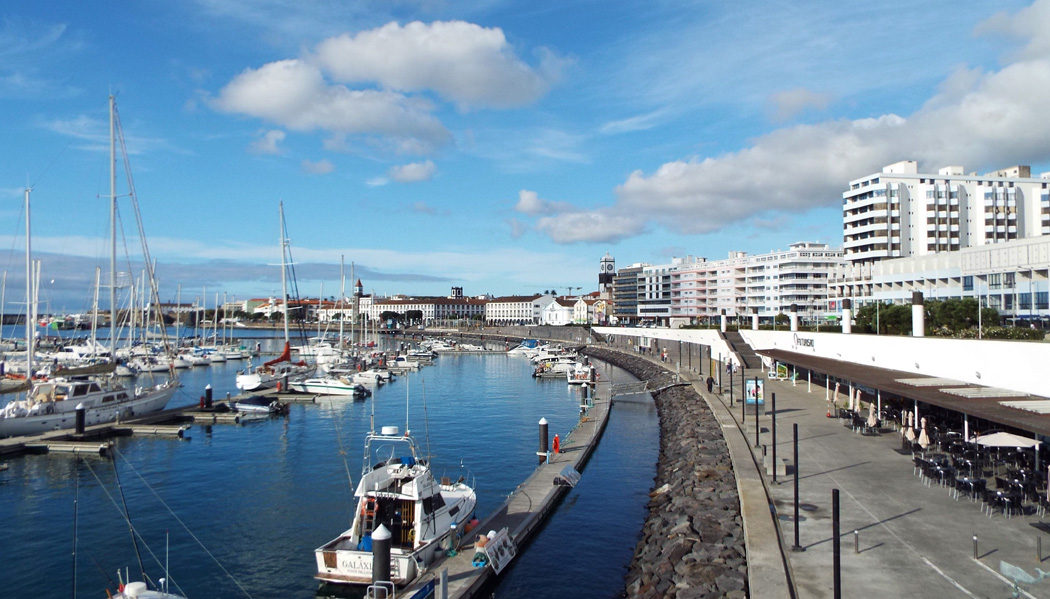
(967,283)
(1008,280)
(1024,301)
(994,281)
(1040,300)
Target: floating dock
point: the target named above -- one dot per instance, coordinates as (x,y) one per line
(524,511)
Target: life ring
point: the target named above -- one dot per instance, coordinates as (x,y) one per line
(411,534)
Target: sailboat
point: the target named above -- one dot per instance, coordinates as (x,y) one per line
(51,405)
(275,370)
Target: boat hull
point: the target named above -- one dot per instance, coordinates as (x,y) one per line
(153,401)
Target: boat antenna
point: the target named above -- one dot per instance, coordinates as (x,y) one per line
(426,418)
(76,499)
(127,516)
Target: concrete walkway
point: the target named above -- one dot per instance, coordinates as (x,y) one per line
(913,538)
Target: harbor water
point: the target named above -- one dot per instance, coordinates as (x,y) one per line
(241,508)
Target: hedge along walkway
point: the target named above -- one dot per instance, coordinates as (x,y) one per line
(692,543)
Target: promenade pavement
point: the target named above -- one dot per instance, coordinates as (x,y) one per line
(913,538)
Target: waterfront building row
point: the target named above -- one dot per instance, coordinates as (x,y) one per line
(692,289)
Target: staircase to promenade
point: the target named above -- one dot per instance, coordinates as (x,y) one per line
(740,347)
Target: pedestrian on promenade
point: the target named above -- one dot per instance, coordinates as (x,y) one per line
(710,383)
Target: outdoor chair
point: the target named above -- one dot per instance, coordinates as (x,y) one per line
(1044,503)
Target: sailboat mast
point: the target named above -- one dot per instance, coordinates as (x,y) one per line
(342,302)
(112,230)
(284,276)
(94,309)
(178,310)
(3,298)
(29,296)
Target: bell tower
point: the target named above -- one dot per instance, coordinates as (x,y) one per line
(606,272)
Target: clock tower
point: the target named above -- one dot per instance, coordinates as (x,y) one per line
(606,272)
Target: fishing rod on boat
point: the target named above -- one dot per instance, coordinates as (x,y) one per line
(127,517)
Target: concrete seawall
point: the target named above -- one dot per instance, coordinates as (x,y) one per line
(692,543)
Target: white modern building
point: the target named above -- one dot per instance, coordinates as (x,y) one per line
(429,309)
(517,309)
(900,212)
(949,235)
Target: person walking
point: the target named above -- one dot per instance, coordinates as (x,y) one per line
(710,383)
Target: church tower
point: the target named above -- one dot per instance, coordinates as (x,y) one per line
(606,272)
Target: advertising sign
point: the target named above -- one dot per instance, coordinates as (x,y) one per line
(755,390)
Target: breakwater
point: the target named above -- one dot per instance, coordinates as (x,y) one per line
(692,543)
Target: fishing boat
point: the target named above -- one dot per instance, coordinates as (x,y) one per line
(400,493)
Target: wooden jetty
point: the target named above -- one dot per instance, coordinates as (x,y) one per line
(525,510)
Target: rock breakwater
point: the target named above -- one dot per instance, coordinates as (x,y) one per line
(692,543)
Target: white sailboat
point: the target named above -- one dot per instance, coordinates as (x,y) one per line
(270,373)
(51,405)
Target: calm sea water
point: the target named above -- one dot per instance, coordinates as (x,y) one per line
(262,496)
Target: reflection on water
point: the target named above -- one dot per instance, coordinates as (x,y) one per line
(262,496)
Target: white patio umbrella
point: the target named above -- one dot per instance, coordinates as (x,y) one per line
(909,431)
(872,421)
(835,398)
(924,439)
(1004,440)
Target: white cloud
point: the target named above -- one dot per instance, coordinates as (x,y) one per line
(517,228)
(530,202)
(639,122)
(268,143)
(412,172)
(321,167)
(377,181)
(294,94)
(979,119)
(462,62)
(593,226)
(788,103)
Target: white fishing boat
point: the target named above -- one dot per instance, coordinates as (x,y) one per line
(581,374)
(400,493)
(51,405)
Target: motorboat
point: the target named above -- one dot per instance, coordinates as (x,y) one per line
(51,405)
(581,374)
(259,404)
(398,491)
(330,385)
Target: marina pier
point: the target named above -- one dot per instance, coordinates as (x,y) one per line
(526,508)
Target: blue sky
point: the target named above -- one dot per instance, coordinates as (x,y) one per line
(502,146)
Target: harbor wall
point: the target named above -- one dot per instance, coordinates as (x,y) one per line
(692,543)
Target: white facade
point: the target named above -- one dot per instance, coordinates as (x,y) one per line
(1013,277)
(901,212)
(558,313)
(517,309)
(767,284)
(431,308)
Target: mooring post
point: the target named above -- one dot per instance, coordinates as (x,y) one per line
(542,453)
(835,546)
(207,396)
(730,388)
(81,418)
(380,555)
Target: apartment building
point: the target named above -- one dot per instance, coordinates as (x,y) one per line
(950,234)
